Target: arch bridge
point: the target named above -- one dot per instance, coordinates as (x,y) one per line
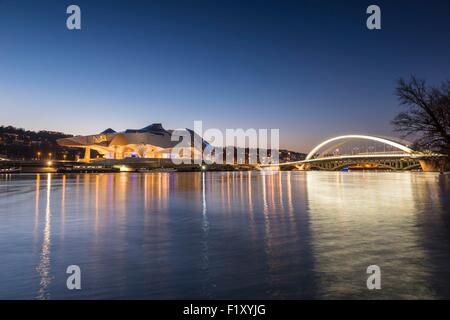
(402,157)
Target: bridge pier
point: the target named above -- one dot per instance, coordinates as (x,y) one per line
(432,165)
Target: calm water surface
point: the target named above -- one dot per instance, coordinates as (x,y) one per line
(243,235)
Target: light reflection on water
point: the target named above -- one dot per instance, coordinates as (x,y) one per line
(44,264)
(288,235)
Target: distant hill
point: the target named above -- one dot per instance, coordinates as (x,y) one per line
(18,143)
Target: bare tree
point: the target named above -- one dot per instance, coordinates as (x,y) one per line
(427,117)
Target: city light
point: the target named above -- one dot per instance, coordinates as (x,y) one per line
(125,169)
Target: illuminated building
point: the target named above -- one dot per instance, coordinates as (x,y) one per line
(152,142)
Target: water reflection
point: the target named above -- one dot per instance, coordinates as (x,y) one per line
(205,252)
(225,235)
(371,218)
(36,210)
(44,265)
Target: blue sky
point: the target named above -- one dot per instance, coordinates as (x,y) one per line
(310,68)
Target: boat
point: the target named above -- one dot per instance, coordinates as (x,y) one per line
(144,170)
(87,169)
(10,170)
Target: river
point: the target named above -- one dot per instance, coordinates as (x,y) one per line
(225,235)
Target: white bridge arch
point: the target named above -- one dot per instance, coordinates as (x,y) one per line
(360,137)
